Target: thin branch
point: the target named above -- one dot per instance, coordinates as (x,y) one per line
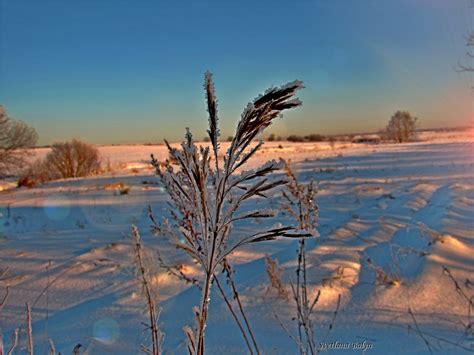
(336,311)
(419,332)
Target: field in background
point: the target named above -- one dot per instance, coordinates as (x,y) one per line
(388,212)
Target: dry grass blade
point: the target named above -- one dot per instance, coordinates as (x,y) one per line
(212,110)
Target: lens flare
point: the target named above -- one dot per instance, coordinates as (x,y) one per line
(57,209)
(106,330)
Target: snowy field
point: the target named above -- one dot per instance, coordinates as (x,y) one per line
(391,218)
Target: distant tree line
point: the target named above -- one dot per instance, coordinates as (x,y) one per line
(401,128)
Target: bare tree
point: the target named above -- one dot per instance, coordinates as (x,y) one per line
(401,127)
(469,53)
(15,138)
(462,67)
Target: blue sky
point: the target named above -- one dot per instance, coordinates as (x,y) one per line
(117,71)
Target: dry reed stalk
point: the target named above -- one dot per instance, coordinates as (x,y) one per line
(29,329)
(52,348)
(229,271)
(14,342)
(7,289)
(234,315)
(144,278)
(5,298)
(207,196)
(177,272)
(300,205)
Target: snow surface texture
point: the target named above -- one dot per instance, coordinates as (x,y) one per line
(391,217)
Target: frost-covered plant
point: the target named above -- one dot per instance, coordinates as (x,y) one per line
(207,193)
(300,204)
(274,273)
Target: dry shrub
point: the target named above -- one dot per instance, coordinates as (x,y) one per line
(26,181)
(65,160)
(120,187)
(73,159)
(315,138)
(124,190)
(295,138)
(383,277)
(37,173)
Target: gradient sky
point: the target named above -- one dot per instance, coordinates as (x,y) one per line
(117,71)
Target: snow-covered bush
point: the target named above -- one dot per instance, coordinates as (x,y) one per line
(207,193)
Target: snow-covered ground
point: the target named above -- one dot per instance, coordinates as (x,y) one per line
(405,209)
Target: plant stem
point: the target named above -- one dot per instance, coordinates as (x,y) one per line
(204,311)
(29,329)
